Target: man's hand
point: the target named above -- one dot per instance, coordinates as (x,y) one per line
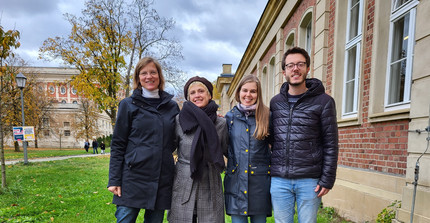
(322,190)
(115,190)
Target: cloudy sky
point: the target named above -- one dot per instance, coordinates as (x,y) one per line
(212,32)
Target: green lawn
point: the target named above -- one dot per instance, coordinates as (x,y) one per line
(32,153)
(72,190)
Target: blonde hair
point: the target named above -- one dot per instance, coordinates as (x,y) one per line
(195,83)
(262,112)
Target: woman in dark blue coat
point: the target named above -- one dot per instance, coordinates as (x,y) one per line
(141,166)
(247,179)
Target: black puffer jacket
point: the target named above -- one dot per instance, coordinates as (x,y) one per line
(141,159)
(305,136)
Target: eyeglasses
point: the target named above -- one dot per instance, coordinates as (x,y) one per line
(299,65)
(152,73)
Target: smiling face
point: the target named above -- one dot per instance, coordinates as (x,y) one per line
(148,77)
(198,94)
(248,94)
(296,76)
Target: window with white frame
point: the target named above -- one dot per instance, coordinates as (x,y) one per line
(74,91)
(63,90)
(290,41)
(400,53)
(308,43)
(305,32)
(351,78)
(272,80)
(52,89)
(264,84)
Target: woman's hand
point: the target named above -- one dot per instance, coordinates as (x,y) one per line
(115,190)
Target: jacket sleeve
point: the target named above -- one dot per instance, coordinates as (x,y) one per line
(119,144)
(329,135)
(224,139)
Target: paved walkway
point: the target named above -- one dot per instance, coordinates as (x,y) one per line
(11,162)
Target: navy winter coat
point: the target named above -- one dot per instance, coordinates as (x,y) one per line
(141,152)
(305,135)
(247,178)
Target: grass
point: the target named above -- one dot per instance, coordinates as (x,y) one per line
(32,153)
(72,190)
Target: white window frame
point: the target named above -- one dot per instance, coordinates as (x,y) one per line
(397,14)
(308,37)
(272,71)
(51,89)
(63,90)
(305,32)
(290,41)
(264,83)
(350,44)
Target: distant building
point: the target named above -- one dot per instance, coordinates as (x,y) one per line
(222,84)
(58,130)
(372,56)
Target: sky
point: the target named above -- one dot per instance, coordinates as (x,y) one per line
(211,32)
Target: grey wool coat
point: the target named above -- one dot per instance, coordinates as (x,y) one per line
(204,197)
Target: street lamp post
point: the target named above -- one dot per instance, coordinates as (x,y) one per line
(20,82)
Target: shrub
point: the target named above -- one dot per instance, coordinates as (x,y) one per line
(389,213)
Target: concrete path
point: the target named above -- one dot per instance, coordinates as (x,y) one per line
(12,162)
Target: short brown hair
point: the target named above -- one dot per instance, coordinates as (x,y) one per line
(296,50)
(140,65)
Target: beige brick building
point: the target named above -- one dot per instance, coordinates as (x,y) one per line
(372,56)
(58,129)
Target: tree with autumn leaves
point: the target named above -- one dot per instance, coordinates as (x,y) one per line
(108,32)
(8,41)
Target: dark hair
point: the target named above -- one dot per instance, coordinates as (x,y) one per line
(296,50)
(140,65)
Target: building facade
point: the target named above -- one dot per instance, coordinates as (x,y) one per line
(59,129)
(372,58)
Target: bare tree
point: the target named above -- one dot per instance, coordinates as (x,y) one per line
(85,126)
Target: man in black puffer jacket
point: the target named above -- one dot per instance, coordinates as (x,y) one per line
(305,141)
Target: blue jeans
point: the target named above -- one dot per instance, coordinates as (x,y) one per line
(286,192)
(261,218)
(125,214)
(95,150)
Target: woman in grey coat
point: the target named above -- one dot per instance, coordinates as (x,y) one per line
(201,137)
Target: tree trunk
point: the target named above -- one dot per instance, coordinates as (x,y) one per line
(16,144)
(127,77)
(2,159)
(35,144)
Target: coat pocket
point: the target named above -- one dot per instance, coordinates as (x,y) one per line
(231,181)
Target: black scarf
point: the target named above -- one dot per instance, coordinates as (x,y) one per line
(205,148)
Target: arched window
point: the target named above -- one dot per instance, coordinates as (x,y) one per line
(305,31)
(289,43)
(63,90)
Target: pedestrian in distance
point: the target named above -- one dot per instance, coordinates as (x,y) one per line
(86,145)
(247,178)
(141,165)
(102,147)
(95,145)
(305,142)
(201,138)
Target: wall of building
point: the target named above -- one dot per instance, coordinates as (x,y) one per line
(59,130)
